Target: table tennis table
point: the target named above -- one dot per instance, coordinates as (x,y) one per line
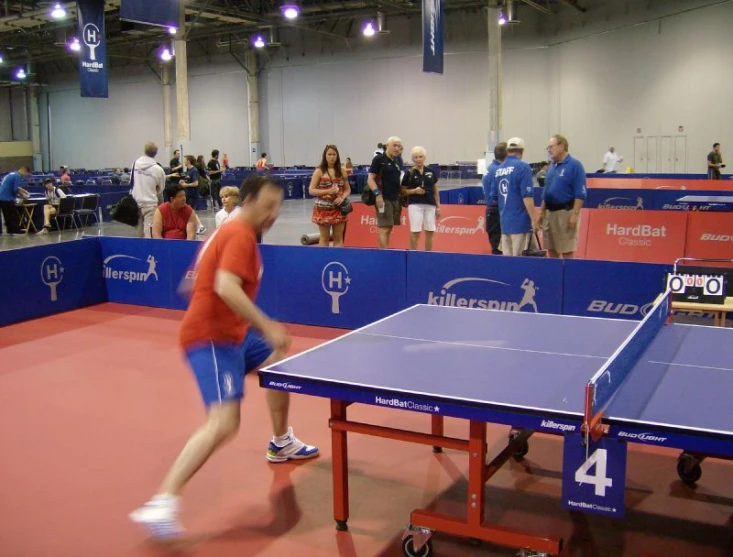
(709,202)
(647,382)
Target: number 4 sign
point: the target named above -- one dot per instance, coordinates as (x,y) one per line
(594,481)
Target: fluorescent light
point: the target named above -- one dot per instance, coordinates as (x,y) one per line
(290,11)
(369,30)
(58,12)
(258,41)
(74,45)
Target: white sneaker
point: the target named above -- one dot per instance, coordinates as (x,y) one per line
(201,230)
(293,449)
(43,231)
(159,517)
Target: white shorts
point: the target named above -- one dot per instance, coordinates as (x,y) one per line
(421,214)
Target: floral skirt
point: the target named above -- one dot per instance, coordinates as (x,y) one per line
(327,215)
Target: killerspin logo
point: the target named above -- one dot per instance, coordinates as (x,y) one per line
(481,293)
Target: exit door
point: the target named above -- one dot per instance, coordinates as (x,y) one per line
(680,154)
(639,155)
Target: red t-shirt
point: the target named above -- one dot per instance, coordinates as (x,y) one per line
(232,248)
(174,222)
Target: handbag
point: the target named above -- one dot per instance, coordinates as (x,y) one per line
(367,196)
(126,211)
(529,252)
(346,207)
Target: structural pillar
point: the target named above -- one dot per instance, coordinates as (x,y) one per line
(495,81)
(167,112)
(253,106)
(184,123)
(34,124)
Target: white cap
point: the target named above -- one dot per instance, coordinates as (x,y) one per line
(515,143)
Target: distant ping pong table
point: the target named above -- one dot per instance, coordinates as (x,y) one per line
(710,202)
(645,382)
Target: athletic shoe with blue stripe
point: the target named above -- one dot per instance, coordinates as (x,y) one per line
(293,449)
(159,517)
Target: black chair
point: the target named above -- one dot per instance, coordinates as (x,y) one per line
(65,211)
(89,206)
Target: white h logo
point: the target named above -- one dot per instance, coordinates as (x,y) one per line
(92,38)
(335,281)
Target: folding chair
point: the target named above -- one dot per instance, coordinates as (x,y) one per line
(65,210)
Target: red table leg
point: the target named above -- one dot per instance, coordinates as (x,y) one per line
(436,428)
(340,467)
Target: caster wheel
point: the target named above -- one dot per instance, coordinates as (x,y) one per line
(408,549)
(341,526)
(437,450)
(688,469)
(522,451)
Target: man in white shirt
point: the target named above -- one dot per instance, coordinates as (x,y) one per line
(148,179)
(611,160)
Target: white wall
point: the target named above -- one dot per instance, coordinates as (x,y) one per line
(595,77)
(103,133)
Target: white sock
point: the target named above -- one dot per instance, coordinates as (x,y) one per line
(166,499)
(281,440)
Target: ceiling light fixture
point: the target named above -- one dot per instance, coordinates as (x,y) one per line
(20,74)
(369,29)
(172,30)
(258,41)
(58,12)
(290,11)
(74,45)
(502,19)
(166,55)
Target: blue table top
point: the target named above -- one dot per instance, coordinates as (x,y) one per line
(530,361)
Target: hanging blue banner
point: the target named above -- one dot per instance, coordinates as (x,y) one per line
(93,54)
(432,36)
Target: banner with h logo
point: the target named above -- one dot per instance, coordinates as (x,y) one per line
(93,55)
(432,36)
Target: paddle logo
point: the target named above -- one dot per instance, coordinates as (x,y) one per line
(52,273)
(335,281)
(129,269)
(622,203)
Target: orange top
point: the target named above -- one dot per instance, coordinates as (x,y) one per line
(233,248)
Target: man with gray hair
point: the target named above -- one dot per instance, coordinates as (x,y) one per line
(384,181)
(148,182)
(562,200)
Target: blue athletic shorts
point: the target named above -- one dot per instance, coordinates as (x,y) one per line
(220,368)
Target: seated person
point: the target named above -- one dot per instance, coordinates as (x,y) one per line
(53,195)
(230,199)
(174,220)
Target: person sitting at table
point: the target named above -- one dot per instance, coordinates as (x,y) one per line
(174,220)
(53,195)
(230,199)
(10,189)
(66,176)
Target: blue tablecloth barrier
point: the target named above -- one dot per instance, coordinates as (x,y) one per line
(45,280)
(331,287)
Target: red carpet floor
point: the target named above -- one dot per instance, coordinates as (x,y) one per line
(96,403)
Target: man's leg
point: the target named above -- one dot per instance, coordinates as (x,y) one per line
(493,229)
(222,393)
(384,233)
(10,216)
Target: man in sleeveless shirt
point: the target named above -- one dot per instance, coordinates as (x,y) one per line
(174,220)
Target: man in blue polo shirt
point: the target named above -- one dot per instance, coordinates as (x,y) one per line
(562,200)
(493,221)
(10,189)
(515,193)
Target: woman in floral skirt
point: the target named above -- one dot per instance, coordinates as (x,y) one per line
(330,186)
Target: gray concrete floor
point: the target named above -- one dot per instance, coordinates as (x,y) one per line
(294,221)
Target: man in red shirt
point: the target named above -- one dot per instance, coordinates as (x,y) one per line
(174,220)
(224,335)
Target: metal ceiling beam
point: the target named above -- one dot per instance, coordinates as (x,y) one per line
(574,4)
(537,6)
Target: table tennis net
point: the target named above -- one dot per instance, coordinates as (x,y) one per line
(611,376)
